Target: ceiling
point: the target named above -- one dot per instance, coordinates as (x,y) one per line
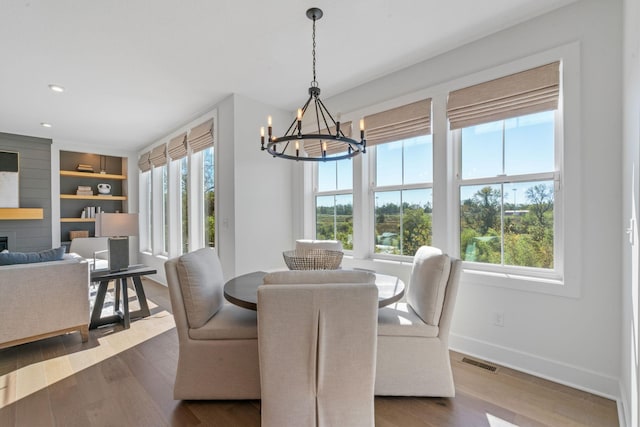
(136,70)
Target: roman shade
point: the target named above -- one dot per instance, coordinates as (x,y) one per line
(399,123)
(178,147)
(201,136)
(144,163)
(159,155)
(526,92)
(313,148)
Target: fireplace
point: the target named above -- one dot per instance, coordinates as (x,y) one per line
(7,240)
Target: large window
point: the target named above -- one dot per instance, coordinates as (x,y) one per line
(505,130)
(403,195)
(506,190)
(334,202)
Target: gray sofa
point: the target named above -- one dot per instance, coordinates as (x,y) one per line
(42,300)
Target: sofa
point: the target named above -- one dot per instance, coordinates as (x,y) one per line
(44,299)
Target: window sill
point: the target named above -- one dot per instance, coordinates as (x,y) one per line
(550,286)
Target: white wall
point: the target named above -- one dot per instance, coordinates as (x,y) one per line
(571,340)
(630,371)
(263,190)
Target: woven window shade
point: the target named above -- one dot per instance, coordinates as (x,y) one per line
(314,148)
(159,155)
(527,92)
(144,163)
(201,136)
(178,147)
(399,123)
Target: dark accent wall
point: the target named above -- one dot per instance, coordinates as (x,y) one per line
(35,191)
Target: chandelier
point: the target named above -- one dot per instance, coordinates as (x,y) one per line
(325,140)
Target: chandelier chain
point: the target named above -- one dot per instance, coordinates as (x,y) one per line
(313,37)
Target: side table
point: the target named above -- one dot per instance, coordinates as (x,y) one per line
(134,273)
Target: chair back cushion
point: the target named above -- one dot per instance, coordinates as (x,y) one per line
(201,283)
(306,245)
(319,276)
(317,348)
(428,283)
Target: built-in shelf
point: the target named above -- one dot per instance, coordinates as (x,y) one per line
(73,196)
(92,175)
(77,220)
(21,213)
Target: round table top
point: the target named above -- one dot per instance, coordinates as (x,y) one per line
(243,290)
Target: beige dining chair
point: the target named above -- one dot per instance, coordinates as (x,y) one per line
(317,346)
(218,341)
(413,336)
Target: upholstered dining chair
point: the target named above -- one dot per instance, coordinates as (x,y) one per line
(317,346)
(218,341)
(413,336)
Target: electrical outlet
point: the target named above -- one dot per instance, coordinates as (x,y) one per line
(498,318)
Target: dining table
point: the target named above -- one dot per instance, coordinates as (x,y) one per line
(243,290)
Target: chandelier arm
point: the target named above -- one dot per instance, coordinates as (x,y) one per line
(294,123)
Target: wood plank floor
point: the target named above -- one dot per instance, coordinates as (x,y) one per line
(125,377)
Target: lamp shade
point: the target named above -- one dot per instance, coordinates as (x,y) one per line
(116,224)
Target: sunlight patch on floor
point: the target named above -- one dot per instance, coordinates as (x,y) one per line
(498,422)
(34,377)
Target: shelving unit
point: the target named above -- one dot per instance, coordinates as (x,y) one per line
(72,205)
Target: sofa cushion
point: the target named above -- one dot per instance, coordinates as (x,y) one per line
(428,283)
(230,322)
(201,283)
(310,277)
(9,258)
(399,319)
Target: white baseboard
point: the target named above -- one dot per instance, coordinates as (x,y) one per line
(624,408)
(552,370)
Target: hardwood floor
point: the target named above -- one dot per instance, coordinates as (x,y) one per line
(125,377)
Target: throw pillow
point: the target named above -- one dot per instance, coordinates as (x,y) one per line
(9,258)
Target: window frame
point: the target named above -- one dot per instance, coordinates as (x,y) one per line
(555,274)
(316,193)
(373,188)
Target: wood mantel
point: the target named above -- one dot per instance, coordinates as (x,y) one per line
(21,213)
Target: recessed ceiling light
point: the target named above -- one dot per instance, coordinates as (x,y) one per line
(45,125)
(56,88)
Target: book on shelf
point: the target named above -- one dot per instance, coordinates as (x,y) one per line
(84,168)
(90,211)
(84,190)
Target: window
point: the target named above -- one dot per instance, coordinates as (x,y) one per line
(506,190)
(403,176)
(209,197)
(403,195)
(184,203)
(334,202)
(165,208)
(505,133)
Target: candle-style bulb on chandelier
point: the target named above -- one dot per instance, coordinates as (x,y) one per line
(325,139)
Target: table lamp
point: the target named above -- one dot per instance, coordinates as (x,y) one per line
(118,227)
